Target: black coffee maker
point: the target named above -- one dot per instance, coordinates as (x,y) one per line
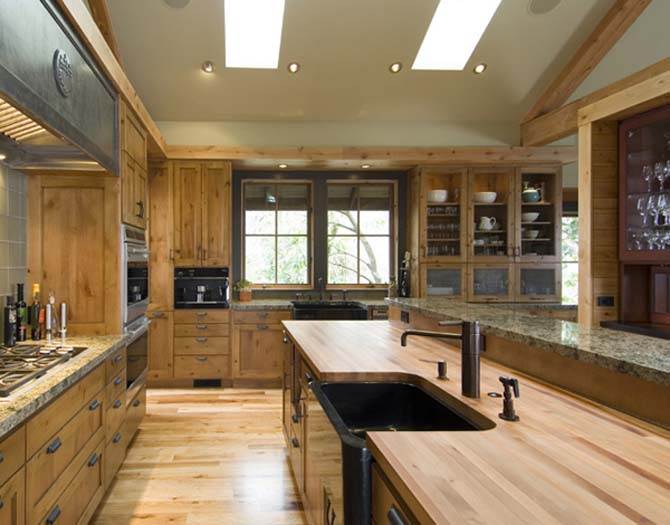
(201,288)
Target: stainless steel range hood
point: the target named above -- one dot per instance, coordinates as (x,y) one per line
(57,110)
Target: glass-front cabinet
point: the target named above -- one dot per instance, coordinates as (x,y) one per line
(443,280)
(491,209)
(538,282)
(645,187)
(442,218)
(491,283)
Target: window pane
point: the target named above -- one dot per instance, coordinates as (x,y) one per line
(259,222)
(570,238)
(342,209)
(342,257)
(292,260)
(375,222)
(292,222)
(375,197)
(259,260)
(342,222)
(375,255)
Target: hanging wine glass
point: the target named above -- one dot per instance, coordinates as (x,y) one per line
(659,174)
(647,176)
(642,209)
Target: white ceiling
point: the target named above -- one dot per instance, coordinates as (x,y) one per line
(345,47)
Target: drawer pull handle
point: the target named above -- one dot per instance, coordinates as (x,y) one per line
(54,446)
(261,327)
(93,459)
(2,504)
(308,378)
(295,442)
(2,457)
(94,405)
(117,381)
(394,516)
(201,358)
(136,403)
(295,418)
(116,438)
(201,339)
(117,358)
(53,516)
(117,404)
(201,314)
(201,327)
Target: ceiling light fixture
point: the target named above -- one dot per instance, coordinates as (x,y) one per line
(453,33)
(479,68)
(253,31)
(3,156)
(366,166)
(395,67)
(208,66)
(293,67)
(283,166)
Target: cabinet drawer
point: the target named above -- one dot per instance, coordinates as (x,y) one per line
(12,500)
(201,316)
(115,453)
(114,415)
(78,501)
(383,500)
(115,387)
(114,364)
(201,346)
(53,458)
(260,316)
(201,366)
(12,453)
(201,330)
(46,423)
(134,413)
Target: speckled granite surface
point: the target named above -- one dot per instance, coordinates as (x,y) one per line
(645,357)
(31,397)
(284,304)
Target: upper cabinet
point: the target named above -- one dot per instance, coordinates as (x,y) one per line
(202,213)
(133,162)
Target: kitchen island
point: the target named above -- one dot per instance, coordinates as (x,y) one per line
(566,460)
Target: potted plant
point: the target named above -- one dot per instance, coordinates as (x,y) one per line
(243,288)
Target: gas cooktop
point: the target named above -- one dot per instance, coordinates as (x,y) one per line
(23,363)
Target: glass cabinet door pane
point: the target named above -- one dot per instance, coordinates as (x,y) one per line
(443,281)
(491,281)
(538,281)
(444,231)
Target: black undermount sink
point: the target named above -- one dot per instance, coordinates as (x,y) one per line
(325,310)
(326,304)
(395,406)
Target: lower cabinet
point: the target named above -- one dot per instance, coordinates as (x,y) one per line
(12,499)
(386,506)
(160,345)
(135,411)
(201,344)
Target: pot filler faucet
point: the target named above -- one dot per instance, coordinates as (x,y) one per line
(471,348)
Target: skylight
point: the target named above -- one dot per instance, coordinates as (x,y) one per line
(253,33)
(453,33)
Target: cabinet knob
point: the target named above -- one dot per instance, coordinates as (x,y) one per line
(136,403)
(94,405)
(54,446)
(295,442)
(117,403)
(93,459)
(116,438)
(53,516)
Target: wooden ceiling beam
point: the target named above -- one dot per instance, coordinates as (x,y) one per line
(607,33)
(563,122)
(102,18)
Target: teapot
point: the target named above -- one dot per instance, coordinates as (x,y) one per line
(487,223)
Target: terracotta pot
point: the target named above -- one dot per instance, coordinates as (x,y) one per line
(245,295)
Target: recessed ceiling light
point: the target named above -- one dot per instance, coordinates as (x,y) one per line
(253,33)
(293,67)
(453,33)
(283,166)
(542,7)
(177,4)
(479,68)
(395,67)
(3,156)
(208,66)
(366,166)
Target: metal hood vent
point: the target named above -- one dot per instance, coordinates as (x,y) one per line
(57,109)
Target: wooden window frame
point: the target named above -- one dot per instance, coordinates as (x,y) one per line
(310,234)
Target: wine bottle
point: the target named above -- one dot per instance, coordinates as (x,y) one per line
(21,314)
(35,314)
(10,323)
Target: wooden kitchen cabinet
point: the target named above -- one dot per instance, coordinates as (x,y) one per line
(386,506)
(12,500)
(161,360)
(134,205)
(538,283)
(202,213)
(491,283)
(258,352)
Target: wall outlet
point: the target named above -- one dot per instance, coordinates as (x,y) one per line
(605,300)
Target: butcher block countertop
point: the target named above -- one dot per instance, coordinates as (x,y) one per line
(566,461)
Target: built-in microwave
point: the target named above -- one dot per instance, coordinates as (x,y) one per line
(135,267)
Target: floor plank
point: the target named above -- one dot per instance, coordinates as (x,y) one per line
(205,456)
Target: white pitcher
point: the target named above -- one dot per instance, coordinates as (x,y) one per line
(487,223)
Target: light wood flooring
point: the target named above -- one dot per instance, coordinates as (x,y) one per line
(205,456)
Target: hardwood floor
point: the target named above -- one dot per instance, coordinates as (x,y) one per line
(205,456)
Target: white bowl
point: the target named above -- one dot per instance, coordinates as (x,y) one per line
(531,234)
(530,216)
(437,196)
(485,197)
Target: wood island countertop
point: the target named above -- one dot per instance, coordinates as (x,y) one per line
(566,461)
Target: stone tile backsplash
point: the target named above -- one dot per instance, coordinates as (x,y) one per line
(13,219)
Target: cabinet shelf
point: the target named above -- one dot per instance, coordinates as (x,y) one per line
(452,216)
(537,204)
(436,204)
(536,240)
(444,240)
(537,223)
(490,204)
(490,232)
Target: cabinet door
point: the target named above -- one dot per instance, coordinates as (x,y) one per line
(538,282)
(130,207)
(491,283)
(160,346)
(216,214)
(160,237)
(257,351)
(12,500)
(443,280)
(140,197)
(187,213)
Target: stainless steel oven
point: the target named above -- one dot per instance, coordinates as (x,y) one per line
(135,266)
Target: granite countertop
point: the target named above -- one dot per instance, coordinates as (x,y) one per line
(31,397)
(640,356)
(284,304)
